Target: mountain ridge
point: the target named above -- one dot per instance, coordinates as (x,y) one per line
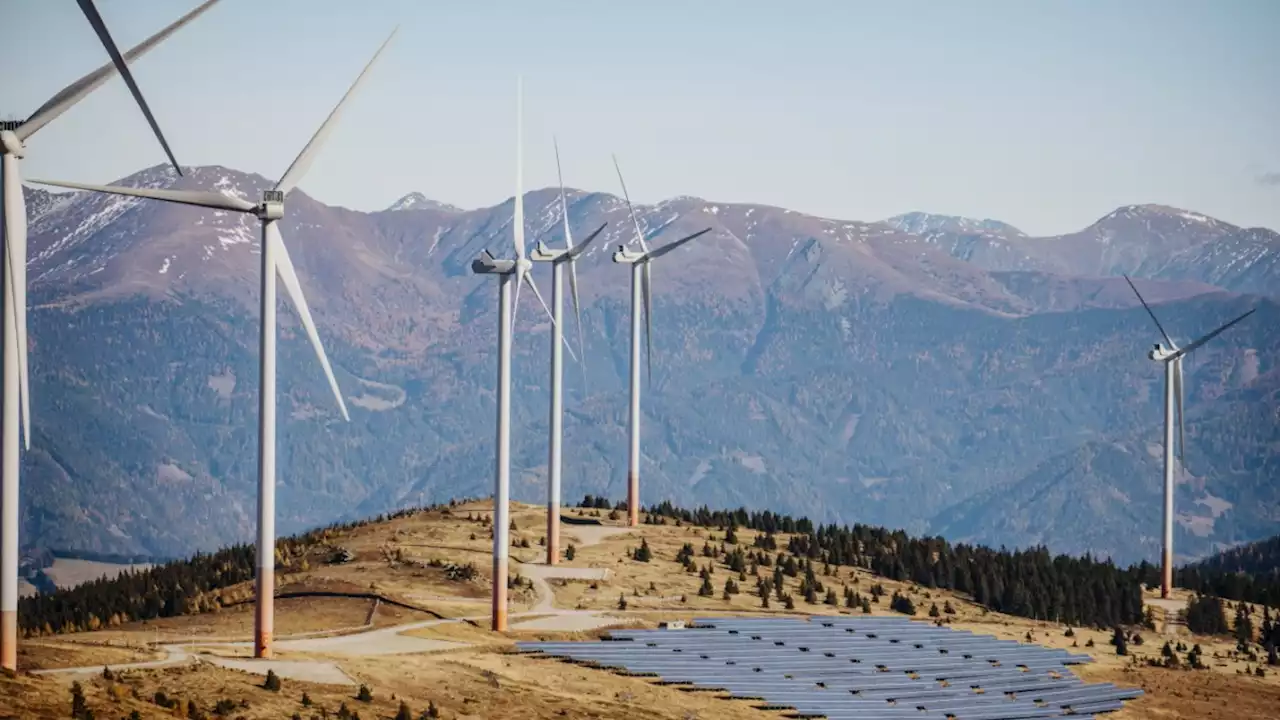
(842,369)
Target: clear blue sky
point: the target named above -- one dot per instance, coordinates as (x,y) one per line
(1043,114)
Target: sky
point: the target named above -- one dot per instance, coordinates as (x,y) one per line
(1047,114)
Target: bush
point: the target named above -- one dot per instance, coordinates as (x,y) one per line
(272,682)
(79,710)
(902,604)
(1118,639)
(569,552)
(364,695)
(404,713)
(643,553)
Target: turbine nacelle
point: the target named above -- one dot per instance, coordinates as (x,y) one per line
(1160,353)
(542,253)
(629,257)
(9,139)
(487,264)
(272,207)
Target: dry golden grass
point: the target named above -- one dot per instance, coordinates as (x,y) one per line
(70,572)
(487,681)
(56,653)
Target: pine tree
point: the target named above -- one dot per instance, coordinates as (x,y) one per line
(1118,640)
(570,552)
(643,553)
(706,590)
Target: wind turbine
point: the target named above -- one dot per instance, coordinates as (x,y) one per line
(506,270)
(13,224)
(640,262)
(1172,356)
(558,259)
(275,258)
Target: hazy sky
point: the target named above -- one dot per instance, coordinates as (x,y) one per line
(1043,114)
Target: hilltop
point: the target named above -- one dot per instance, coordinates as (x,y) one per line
(407,585)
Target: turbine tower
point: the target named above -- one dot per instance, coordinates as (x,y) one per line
(640,285)
(13,223)
(1172,356)
(275,258)
(558,259)
(507,270)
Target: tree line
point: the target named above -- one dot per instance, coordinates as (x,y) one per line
(180,587)
(1028,583)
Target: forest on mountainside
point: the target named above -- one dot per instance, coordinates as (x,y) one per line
(1079,591)
(179,587)
(1249,573)
(1028,583)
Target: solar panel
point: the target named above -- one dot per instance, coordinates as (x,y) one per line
(863,668)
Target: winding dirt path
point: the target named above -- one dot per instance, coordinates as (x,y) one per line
(368,641)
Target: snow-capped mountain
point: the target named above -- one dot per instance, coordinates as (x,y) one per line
(864,371)
(418,201)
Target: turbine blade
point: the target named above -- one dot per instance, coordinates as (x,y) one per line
(630,209)
(15,238)
(199,198)
(1212,335)
(289,278)
(1149,312)
(576,251)
(302,163)
(1178,398)
(91,14)
(76,91)
(672,246)
(528,278)
(577,313)
(564,205)
(517,222)
(647,289)
(515,301)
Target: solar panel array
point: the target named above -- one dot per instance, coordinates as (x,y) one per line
(845,668)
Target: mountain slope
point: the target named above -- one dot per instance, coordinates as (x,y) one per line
(843,370)
(1153,241)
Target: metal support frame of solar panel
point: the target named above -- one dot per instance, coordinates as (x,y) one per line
(759,667)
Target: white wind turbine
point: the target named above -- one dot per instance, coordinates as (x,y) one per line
(13,224)
(640,261)
(1172,356)
(520,268)
(558,259)
(275,258)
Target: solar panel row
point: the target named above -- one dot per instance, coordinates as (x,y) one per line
(845,668)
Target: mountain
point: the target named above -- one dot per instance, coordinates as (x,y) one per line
(844,370)
(418,201)
(1154,241)
(928,224)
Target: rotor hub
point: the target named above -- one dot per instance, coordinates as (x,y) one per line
(1158,352)
(272,207)
(9,139)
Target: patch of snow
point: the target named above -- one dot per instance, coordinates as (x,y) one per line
(165,267)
